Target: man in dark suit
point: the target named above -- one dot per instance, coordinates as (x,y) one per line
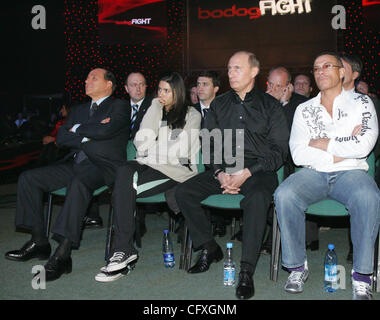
(280,87)
(135,85)
(138,104)
(97,133)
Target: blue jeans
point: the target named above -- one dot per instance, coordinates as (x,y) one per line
(354,188)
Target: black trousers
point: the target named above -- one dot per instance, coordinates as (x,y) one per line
(80,179)
(258,193)
(124,199)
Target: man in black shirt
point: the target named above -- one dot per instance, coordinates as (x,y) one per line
(245,164)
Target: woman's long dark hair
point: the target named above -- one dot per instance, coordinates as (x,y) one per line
(176,115)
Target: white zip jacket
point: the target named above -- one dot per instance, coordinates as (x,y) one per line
(312,121)
(164,149)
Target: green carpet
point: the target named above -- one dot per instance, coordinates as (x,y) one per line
(151,280)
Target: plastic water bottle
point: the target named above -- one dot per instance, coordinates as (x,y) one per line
(167,250)
(331,270)
(229,267)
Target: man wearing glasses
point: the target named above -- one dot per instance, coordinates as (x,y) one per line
(331,136)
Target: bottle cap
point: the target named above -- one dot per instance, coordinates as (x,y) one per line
(166,231)
(229,245)
(331,246)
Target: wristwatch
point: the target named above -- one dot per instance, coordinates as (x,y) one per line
(216,173)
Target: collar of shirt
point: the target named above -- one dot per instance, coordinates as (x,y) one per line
(98,102)
(139,103)
(203,107)
(317,100)
(248,95)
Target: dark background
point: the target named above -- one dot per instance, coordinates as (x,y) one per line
(56,60)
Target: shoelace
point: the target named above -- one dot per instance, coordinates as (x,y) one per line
(296,276)
(117,256)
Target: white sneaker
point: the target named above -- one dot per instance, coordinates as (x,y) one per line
(296,280)
(361,290)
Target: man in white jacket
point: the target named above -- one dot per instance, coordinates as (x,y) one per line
(331,136)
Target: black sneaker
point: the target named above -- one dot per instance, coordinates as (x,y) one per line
(120,260)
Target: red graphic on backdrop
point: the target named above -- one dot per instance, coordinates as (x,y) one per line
(253,13)
(122,21)
(370,2)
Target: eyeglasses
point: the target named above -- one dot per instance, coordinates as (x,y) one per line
(325,67)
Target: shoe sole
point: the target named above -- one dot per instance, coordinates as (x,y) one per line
(40,257)
(123,265)
(105,276)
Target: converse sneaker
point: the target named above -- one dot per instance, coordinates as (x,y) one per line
(361,290)
(296,280)
(120,260)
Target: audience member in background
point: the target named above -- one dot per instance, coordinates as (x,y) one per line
(280,87)
(135,86)
(20,120)
(244,115)
(352,70)
(302,85)
(167,145)
(332,149)
(193,93)
(362,87)
(50,151)
(99,128)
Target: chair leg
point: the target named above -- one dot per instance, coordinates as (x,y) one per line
(182,258)
(109,234)
(48,213)
(233,228)
(171,223)
(376,273)
(187,245)
(137,228)
(275,256)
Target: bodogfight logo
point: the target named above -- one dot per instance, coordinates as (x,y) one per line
(281,7)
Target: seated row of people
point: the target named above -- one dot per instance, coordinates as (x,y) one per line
(331,135)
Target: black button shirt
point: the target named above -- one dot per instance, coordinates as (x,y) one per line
(254,132)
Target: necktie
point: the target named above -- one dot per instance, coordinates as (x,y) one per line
(93,108)
(135,108)
(205,110)
(80,156)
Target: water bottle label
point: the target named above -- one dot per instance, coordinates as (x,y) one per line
(331,273)
(168,257)
(229,275)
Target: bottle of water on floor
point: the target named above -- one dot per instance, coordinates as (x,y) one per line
(331,270)
(167,250)
(229,267)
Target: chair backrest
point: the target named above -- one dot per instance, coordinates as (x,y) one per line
(131,150)
(371,164)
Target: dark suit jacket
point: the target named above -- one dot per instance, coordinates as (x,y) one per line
(108,142)
(197,107)
(289,109)
(140,115)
